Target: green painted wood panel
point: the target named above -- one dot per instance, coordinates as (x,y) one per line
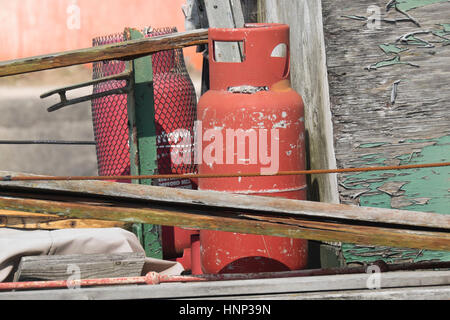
(389,101)
(143,157)
(426,190)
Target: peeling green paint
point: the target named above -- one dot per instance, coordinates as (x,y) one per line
(412,40)
(416,189)
(391,48)
(389,62)
(443,33)
(424,189)
(418,140)
(406,5)
(445,27)
(409,39)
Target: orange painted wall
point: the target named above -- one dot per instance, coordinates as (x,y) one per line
(34,27)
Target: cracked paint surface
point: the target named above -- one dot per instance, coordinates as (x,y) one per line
(426,190)
(406,5)
(405,42)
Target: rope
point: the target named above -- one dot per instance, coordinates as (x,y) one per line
(230,175)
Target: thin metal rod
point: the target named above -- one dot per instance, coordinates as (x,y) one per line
(122,76)
(230,175)
(125,76)
(51,142)
(70,283)
(69,102)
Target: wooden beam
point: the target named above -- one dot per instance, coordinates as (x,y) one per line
(230,202)
(242,214)
(127,50)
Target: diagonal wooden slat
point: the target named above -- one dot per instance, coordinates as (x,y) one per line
(127,50)
(229,212)
(236,202)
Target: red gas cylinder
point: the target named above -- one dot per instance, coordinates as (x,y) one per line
(251,121)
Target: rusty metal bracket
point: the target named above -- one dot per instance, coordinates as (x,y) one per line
(64,102)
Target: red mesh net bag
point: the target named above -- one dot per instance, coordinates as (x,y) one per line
(175,109)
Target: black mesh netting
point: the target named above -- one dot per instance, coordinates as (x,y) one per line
(175,108)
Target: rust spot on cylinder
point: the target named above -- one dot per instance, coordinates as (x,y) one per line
(281,86)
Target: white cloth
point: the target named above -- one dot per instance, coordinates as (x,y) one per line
(15,244)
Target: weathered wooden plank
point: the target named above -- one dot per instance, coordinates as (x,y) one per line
(390,107)
(90,266)
(248,221)
(226,14)
(309,78)
(227,201)
(415,293)
(127,50)
(228,289)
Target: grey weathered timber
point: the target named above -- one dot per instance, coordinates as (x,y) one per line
(89,266)
(389,78)
(250,10)
(238,15)
(242,288)
(226,14)
(309,78)
(415,293)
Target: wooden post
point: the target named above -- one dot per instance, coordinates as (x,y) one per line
(142,131)
(309,78)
